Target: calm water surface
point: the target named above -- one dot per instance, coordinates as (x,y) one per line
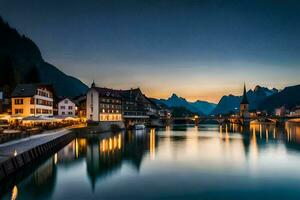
(205,162)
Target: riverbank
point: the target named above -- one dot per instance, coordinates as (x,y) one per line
(17,154)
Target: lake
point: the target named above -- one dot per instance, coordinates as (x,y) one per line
(204,162)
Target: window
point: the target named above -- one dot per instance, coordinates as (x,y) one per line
(44,102)
(38,111)
(32,101)
(70,107)
(18,101)
(63,113)
(70,113)
(66,101)
(19,111)
(32,111)
(62,107)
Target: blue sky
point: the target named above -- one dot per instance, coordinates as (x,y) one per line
(196,49)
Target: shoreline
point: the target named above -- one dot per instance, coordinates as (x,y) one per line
(15,155)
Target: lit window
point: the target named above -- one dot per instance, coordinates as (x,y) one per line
(18,111)
(18,101)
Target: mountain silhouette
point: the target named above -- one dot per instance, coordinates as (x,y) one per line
(231,103)
(199,107)
(21,62)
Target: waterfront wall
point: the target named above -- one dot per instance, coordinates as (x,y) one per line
(13,164)
(106,126)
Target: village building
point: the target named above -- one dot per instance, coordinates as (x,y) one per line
(103,105)
(66,107)
(133,107)
(295,112)
(32,100)
(80,102)
(280,112)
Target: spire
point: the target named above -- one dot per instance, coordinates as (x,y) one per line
(93,84)
(244,98)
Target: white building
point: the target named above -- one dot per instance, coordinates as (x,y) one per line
(32,100)
(66,107)
(103,104)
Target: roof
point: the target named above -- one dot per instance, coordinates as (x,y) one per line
(107,92)
(130,93)
(244,98)
(62,99)
(27,90)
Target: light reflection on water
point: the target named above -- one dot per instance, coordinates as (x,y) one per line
(207,162)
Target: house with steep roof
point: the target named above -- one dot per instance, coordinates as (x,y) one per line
(32,100)
(66,107)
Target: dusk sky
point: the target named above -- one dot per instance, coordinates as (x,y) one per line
(196,49)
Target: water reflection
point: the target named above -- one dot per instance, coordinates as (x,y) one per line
(155,163)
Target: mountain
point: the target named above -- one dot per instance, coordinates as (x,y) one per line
(21,62)
(204,106)
(231,103)
(288,97)
(200,107)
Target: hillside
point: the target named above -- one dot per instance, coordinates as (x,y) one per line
(231,103)
(21,62)
(288,97)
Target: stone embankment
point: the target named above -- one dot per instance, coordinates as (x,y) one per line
(17,154)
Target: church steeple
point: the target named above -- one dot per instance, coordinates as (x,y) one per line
(244,99)
(93,84)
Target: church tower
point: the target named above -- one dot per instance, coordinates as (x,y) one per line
(244,105)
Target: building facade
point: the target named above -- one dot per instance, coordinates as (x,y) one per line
(32,100)
(103,105)
(80,102)
(137,108)
(66,107)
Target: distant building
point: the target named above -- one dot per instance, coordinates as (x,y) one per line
(280,112)
(103,105)
(134,106)
(80,102)
(32,100)
(66,107)
(244,105)
(295,111)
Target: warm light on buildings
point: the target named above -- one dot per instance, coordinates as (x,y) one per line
(152,144)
